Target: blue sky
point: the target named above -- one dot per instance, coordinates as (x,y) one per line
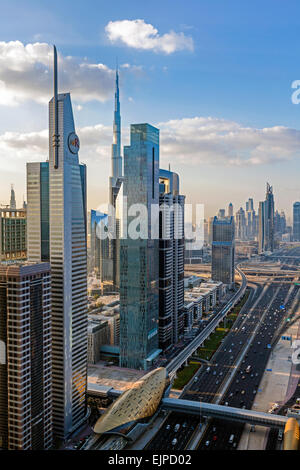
(233,61)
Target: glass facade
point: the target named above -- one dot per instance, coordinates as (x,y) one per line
(223,250)
(296,222)
(139,259)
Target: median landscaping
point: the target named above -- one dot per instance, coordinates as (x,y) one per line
(210,346)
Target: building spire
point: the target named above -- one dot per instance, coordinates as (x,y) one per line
(55,137)
(13,204)
(116,146)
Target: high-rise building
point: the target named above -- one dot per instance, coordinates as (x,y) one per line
(221,213)
(99,259)
(62,184)
(139,258)
(25,362)
(12,234)
(250,221)
(249,205)
(266,222)
(223,250)
(171,260)
(12,204)
(38,235)
(296,221)
(261,226)
(115,183)
(240,224)
(210,229)
(230,209)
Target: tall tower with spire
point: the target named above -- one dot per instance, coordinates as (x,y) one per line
(56,222)
(115,183)
(116,159)
(12,204)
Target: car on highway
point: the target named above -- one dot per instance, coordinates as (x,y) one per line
(174,442)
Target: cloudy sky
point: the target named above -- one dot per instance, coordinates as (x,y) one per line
(215,77)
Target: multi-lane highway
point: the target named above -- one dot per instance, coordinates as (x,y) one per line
(246,345)
(245,383)
(210,328)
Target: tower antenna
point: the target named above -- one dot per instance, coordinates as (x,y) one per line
(55,137)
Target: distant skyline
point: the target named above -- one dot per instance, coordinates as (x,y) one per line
(215,78)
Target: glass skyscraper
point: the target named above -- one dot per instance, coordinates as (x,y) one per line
(222,268)
(139,258)
(266,222)
(296,222)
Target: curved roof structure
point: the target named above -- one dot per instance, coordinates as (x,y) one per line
(141,401)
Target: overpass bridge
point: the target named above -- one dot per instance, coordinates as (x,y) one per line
(224,412)
(211,410)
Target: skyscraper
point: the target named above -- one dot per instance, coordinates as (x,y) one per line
(25,363)
(115,183)
(266,222)
(250,220)
(171,259)
(249,205)
(12,204)
(221,213)
(139,258)
(261,226)
(240,224)
(223,250)
(230,209)
(57,195)
(296,221)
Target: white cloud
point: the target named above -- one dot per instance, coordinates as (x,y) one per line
(140,35)
(213,141)
(192,141)
(26,74)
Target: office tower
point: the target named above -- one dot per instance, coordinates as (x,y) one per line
(282,222)
(230,209)
(240,224)
(250,231)
(261,225)
(25,368)
(12,234)
(139,258)
(12,204)
(38,235)
(115,183)
(221,213)
(296,221)
(99,262)
(57,215)
(171,260)
(210,229)
(266,222)
(249,205)
(223,250)
(279,224)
